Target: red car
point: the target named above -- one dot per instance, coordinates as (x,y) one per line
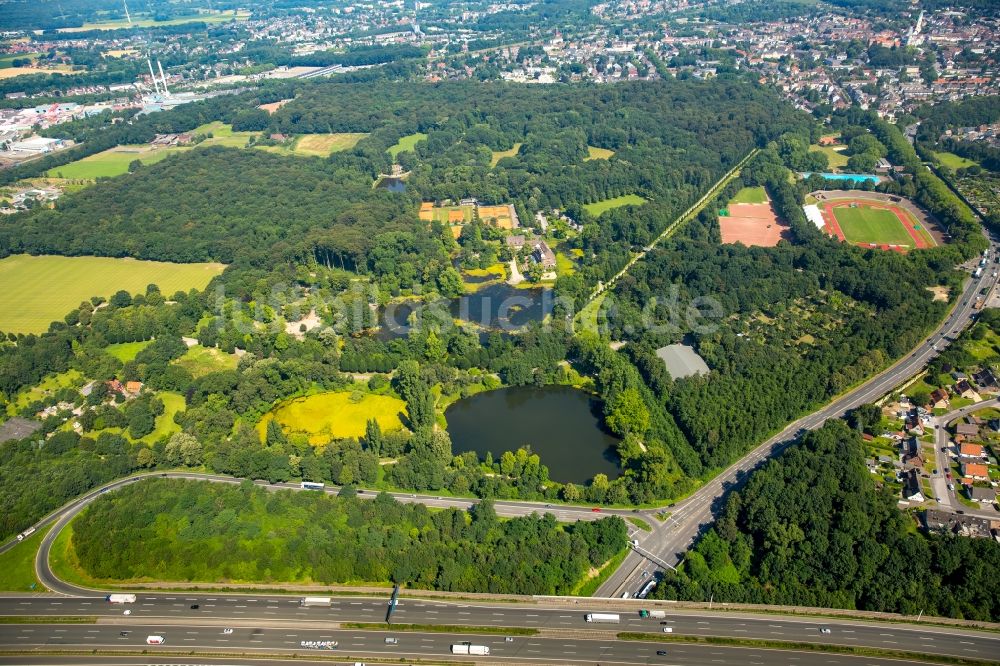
(596,509)
(948,476)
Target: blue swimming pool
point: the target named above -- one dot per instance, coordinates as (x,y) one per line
(852,177)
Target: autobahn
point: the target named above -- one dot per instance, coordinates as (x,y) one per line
(280,622)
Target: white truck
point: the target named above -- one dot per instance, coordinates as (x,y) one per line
(120,598)
(154,640)
(468,648)
(611,618)
(25,534)
(316,601)
(659,615)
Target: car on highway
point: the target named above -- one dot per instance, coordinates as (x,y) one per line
(661,653)
(825,630)
(668,630)
(227,630)
(508,639)
(123,633)
(195,606)
(127,612)
(391,640)
(596,509)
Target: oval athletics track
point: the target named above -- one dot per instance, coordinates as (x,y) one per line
(907,221)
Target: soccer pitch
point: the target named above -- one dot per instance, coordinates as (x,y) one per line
(872,225)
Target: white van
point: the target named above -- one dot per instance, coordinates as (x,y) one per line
(154,640)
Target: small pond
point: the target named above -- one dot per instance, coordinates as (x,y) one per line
(562,424)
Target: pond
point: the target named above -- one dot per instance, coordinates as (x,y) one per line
(392,184)
(494,307)
(562,424)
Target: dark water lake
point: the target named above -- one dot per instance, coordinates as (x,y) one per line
(392,184)
(562,424)
(496,307)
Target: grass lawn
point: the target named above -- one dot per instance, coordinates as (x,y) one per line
(408,142)
(564,265)
(598,154)
(750,195)
(326,416)
(223,135)
(872,225)
(323,145)
(48,385)
(111,162)
(500,154)
(200,361)
(17,565)
(953,161)
(165,426)
(8,60)
(127,351)
(34,291)
(640,523)
(836,158)
(219,17)
(600,207)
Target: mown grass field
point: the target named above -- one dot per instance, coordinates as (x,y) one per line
(35,291)
(200,361)
(598,154)
(111,162)
(127,351)
(223,135)
(837,159)
(953,161)
(750,195)
(871,225)
(323,145)
(600,207)
(406,143)
(17,565)
(326,416)
(500,154)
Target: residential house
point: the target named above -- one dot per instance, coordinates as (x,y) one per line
(971,452)
(982,495)
(963,525)
(543,255)
(985,379)
(913,425)
(964,389)
(911,486)
(967,430)
(975,471)
(911,453)
(515,242)
(939,399)
(133,388)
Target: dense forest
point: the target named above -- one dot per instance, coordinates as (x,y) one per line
(810,529)
(198,531)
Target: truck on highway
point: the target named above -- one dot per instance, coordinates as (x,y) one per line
(315,601)
(656,614)
(468,648)
(612,618)
(25,534)
(154,640)
(978,273)
(312,485)
(120,598)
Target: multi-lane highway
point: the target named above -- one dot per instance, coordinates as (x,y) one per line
(191,621)
(670,539)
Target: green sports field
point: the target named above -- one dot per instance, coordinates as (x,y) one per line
(35,291)
(871,225)
(750,195)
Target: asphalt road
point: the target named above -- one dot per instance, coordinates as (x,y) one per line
(691,655)
(671,539)
(359,644)
(276,611)
(939,481)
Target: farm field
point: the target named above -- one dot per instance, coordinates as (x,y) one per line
(200,361)
(219,17)
(599,207)
(500,154)
(111,162)
(317,145)
(34,291)
(953,161)
(750,195)
(8,60)
(326,416)
(11,72)
(871,225)
(598,154)
(406,143)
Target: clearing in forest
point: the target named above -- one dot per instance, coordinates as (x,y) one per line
(334,415)
(35,291)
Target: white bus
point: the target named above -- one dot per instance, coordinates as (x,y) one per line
(312,485)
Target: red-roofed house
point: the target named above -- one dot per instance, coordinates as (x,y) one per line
(971,450)
(975,471)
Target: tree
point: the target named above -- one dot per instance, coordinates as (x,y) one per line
(626,413)
(373,437)
(184,449)
(145,458)
(862,163)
